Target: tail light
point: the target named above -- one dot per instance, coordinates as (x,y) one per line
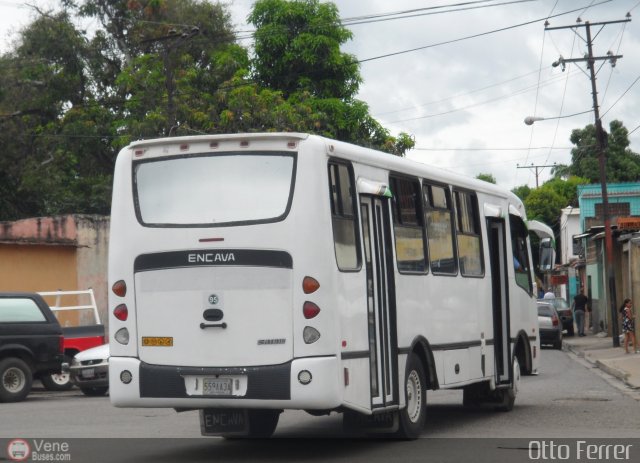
(119,288)
(310,310)
(554,320)
(61,344)
(121,312)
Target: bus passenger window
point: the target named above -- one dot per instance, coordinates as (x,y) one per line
(520,249)
(342,191)
(437,200)
(408,225)
(469,235)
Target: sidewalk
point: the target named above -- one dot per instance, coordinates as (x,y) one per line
(598,349)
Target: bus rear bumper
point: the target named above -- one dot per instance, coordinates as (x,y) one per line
(312,383)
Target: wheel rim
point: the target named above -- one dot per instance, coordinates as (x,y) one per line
(14,380)
(516,376)
(414,396)
(61,379)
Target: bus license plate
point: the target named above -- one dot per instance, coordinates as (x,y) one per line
(217,386)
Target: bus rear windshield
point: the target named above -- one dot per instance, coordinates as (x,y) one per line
(209,190)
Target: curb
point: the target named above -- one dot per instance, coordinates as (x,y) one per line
(602,365)
(613,371)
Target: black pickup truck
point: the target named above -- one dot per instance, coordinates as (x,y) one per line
(31,343)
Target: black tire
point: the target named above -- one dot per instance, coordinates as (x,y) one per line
(94,391)
(558,344)
(474,395)
(507,396)
(16,379)
(58,381)
(413,416)
(263,423)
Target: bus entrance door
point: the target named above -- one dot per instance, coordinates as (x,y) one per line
(501,339)
(378,253)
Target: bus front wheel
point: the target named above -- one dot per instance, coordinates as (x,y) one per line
(414,414)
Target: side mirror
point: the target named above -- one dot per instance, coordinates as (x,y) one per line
(547,255)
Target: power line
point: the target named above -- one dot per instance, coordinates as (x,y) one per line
(473,105)
(474,36)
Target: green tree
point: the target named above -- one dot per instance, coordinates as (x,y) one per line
(622,164)
(297,48)
(297,53)
(45,83)
(487,178)
(522,192)
(544,204)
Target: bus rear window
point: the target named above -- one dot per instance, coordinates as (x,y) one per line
(214,190)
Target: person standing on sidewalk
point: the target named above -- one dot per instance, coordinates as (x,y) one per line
(628,325)
(580,302)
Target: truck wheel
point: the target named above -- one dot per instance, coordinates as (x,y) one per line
(58,381)
(16,379)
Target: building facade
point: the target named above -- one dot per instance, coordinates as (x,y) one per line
(624,211)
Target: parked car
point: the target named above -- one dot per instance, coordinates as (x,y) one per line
(89,370)
(549,325)
(80,333)
(565,313)
(31,344)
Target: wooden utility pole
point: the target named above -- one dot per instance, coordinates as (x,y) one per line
(536,169)
(601,145)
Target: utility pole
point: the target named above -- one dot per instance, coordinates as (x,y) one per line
(518,166)
(601,145)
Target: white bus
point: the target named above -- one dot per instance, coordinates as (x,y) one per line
(252,273)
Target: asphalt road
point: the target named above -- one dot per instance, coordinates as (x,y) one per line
(566,402)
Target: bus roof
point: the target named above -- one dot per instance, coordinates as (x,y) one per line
(356,153)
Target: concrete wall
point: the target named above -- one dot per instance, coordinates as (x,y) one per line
(35,267)
(56,253)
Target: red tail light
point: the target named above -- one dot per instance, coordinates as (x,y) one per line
(121,312)
(554,320)
(310,310)
(119,288)
(61,345)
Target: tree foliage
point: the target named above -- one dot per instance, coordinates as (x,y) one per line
(487,178)
(69,100)
(622,164)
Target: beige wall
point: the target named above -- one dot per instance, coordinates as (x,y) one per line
(37,268)
(57,253)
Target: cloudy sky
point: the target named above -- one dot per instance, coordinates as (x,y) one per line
(461,75)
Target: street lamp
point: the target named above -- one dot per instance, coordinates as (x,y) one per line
(529,120)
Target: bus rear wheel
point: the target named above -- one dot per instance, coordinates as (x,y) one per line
(414,414)
(263,423)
